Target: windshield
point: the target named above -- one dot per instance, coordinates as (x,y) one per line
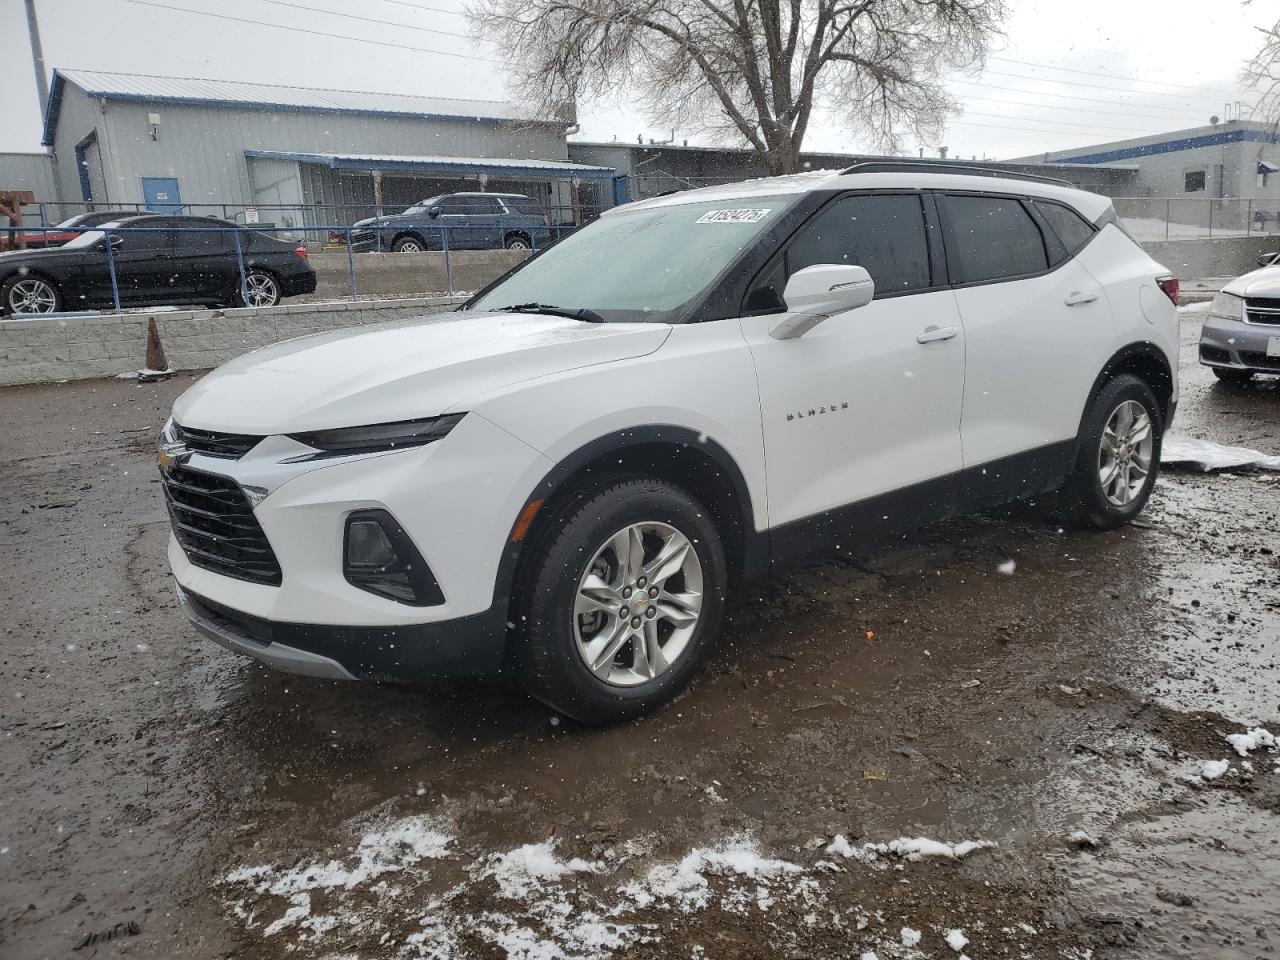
(424,206)
(645,265)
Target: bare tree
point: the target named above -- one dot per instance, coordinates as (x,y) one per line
(1262,73)
(755,69)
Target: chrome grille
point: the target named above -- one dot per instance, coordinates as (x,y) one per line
(1262,311)
(232,445)
(361,236)
(216,528)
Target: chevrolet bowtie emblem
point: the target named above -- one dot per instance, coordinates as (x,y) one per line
(170,455)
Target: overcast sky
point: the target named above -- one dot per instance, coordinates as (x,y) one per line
(1069,73)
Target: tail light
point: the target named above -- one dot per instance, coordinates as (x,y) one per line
(1170,287)
(301,251)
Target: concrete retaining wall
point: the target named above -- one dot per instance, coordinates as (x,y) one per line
(409,274)
(79,348)
(1216,257)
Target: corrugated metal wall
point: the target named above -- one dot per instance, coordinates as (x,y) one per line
(203,147)
(28,171)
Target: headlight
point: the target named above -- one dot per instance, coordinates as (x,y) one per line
(380,436)
(1227,306)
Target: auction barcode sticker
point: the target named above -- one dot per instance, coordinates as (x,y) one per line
(733,216)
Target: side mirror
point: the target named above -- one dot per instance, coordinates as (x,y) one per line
(821,291)
(434,212)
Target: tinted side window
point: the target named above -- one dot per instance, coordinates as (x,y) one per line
(199,238)
(157,237)
(1072,229)
(884,234)
(995,238)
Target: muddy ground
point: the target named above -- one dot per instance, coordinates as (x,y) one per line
(178,801)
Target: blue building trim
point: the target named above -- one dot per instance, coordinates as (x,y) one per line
(460,165)
(55,103)
(1172,146)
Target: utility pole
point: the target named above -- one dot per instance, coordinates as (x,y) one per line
(37,56)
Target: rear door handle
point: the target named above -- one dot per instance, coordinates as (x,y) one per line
(932,334)
(1077,298)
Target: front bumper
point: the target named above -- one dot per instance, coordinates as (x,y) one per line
(467,646)
(1238,345)
(457,499)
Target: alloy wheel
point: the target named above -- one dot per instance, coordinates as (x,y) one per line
(517,244)
(1124,455)
(260,290)
(32,295)
(638,604)
(410,246)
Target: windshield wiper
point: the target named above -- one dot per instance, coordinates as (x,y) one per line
(581,313)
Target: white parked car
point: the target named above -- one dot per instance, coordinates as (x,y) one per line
(571,473)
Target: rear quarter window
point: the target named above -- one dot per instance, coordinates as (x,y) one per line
(1072,229)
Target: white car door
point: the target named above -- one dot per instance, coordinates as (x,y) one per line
(868,402)
(1036,337)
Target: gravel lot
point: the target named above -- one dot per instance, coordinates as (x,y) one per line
(177,801)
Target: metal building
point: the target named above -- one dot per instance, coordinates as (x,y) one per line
(1221,177)
(297,155)
(648,169)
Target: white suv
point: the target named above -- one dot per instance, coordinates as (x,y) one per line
(569,474)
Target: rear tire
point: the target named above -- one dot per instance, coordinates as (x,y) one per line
(260,289)
(1228,375)
(621,601)
(1118,457)
(517,241)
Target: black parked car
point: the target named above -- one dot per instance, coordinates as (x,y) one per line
(169,264)
(473,221)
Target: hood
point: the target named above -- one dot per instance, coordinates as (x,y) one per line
(1264,282)
(421,368)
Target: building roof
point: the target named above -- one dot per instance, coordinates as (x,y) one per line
(270,96)
(1134,148)
(847,159)
(500,166)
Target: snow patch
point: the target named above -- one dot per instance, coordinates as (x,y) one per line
(399,844)
(907,848)
(1254,739)
(910,937)
(956,940)
(1205,455)
(525,869)
(1213,769)
(685,881)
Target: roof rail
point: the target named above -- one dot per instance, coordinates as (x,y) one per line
(940,166)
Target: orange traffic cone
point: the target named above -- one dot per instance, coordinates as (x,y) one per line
(157,367)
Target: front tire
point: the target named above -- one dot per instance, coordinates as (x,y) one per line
(622,600)
(1230,375)
(1118,456)
(30,295)
(408,245)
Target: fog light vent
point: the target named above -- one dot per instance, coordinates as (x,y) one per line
(378,556)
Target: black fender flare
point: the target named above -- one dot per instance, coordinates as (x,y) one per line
(1140,350)
(755,559)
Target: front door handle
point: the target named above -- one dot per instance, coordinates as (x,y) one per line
(933,334)
(1077,298)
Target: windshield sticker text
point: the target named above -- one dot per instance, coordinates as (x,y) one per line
(733,216)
